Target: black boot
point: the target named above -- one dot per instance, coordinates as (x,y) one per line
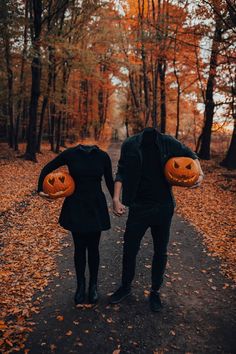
(93,293)
(155,301)
(120,294)
(80,292)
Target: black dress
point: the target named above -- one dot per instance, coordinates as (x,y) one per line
(86,209)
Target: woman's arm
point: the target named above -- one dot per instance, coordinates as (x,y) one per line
(108,175)
(51,166)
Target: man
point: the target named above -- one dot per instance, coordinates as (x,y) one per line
(148,195)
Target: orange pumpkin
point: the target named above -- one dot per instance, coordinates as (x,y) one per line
(58,184)
(182,171)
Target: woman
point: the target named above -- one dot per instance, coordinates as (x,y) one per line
(85,212)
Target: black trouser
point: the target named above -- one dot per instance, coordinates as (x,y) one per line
(90,242)
(139,220)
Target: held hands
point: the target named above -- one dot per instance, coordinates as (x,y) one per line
(118,207)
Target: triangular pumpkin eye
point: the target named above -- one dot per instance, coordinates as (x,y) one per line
(51,181)
(176,165)
(62,179)
(189,166)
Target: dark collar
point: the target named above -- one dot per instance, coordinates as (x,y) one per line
(140,135)
(87,148)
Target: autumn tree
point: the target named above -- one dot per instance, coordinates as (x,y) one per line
(219,11)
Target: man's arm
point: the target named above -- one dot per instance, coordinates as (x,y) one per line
(118,207)
(121,164)
(201,176)
(178,149)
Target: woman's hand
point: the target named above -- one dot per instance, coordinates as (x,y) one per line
(44,195)
(118,207)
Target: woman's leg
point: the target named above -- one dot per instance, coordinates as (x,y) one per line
(93,262)
(80,265)
(93,255)
(79,255)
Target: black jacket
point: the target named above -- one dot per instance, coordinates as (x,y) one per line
(130,162)
(86,209)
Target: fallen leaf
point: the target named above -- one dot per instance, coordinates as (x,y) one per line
(60,318)
(53,347)
(109,320)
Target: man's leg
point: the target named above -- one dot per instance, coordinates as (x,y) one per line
(132,237)
(160,235)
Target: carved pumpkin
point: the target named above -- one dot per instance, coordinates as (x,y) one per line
(58,184)
(182,171)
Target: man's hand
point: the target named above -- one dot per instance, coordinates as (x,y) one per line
(199,181)
(118,207)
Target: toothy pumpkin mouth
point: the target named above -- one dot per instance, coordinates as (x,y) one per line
(183,178)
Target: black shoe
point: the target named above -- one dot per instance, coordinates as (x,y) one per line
(155,301)
(80,293)
(120,294)
(93,293)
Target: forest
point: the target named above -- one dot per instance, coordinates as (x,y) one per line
(71,68)
(95,72)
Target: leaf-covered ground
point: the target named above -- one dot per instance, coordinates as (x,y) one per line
(212,210)
(31,240)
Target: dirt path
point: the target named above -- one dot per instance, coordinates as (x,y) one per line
(199,303)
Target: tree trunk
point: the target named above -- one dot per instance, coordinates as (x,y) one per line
(144,64)
(22,79)
(30,153)
(9,86)
(178,89)
(84,107)
(230,159)
(52,113)
(61,119)
(58,137)
(162,74)
(204,152)
(64,132)
(177,112)
(40,132)
(53,108)
(155,93)
(100,110)
(51,70)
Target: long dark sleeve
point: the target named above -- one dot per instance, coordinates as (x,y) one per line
(108,175)
(51,166)
(120,165)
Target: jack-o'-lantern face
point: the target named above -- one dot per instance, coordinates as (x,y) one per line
(182,171)
(58,184)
